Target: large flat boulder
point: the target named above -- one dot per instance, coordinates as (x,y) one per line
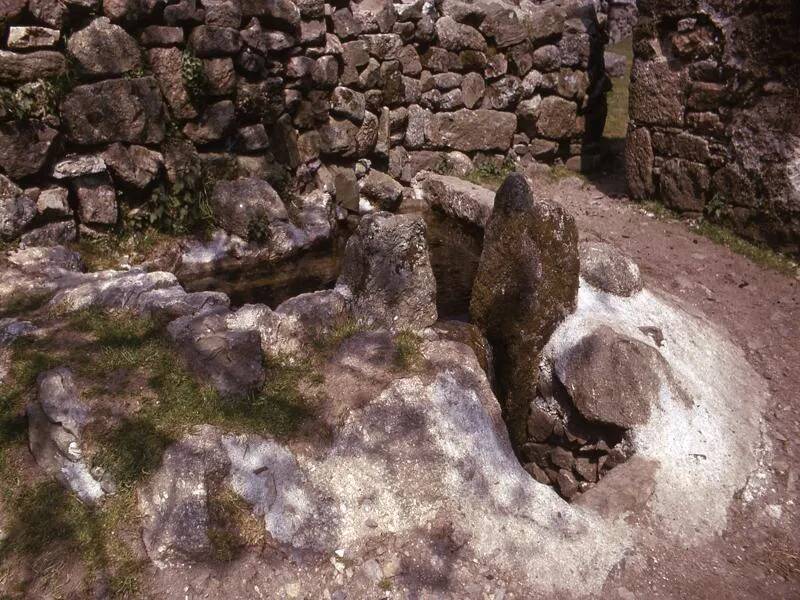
(612,378)
(456,198)
(174,503)
(230,360)
(470,130)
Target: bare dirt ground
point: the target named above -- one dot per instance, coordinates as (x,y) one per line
(759,554)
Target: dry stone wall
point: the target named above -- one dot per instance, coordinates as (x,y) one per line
(715,95)
(133,109)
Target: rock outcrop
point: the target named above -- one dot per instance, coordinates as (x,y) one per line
(608,269)
(55,425)
(456,198)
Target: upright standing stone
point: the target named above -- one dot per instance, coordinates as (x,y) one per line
(387,273)
(527,282)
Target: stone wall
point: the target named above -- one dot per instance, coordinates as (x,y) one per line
(622,17)
(122,110)
(715,96)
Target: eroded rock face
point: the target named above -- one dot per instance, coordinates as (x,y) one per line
(468,130)
(608,269)
(17,210)
(387,273)
(104,49)
(526,283)
(24,147)
(175,501)
(17,67)
(55,423)
(711,116)
(111,289)
(135,166)
(116,110)
(296,326)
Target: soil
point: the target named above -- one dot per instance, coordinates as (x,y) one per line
(759,554)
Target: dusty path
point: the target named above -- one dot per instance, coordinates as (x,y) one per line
(759,554)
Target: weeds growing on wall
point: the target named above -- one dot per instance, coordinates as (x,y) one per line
(194,78)
(177,209)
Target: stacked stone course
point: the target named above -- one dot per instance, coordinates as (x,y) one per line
(100,104)
(715,95)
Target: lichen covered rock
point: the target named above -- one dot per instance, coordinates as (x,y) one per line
(387,273)
(526,283)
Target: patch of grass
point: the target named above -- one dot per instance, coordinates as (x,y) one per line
(385,584)
(658,210)
(194,78)
(21,303)
(103,347)
(108,251)
(233,525)
(342,330)
(173,400)
(48,521)
(408,354)
(131,450)
(759,254)
(490,174)
(560,172)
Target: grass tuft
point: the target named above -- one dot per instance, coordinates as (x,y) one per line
(758,253)
(719,234)
(233,525)
(408,353)
(342,330)
(617,99)
(21,303)
(490,174)
(560,172)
